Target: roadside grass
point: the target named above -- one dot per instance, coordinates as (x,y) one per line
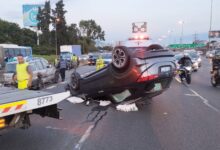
(49,58)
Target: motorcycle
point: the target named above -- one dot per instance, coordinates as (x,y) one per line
(185,73)
(215,76)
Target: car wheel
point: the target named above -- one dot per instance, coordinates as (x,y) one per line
(120,58)
(56,76)
(74,84)
(213,82)
(40,84)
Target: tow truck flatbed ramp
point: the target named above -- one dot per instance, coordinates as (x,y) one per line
(14,101)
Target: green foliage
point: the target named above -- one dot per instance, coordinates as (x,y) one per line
(84,34)
(44,19)
(49,58)
(44,50)
(12,33)
(91,30)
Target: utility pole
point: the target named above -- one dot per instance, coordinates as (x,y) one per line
(210,28)
(195,37)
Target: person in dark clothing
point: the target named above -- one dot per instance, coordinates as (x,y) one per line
(62,65)
(185,61)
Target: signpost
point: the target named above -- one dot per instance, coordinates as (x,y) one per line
(30,13)
(139,27)
(186,46)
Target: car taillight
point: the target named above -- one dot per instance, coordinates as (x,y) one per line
(147,77)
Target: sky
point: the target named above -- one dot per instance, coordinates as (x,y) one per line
(116,16)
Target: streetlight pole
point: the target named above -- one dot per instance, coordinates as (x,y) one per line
(56,36)
(210,27)
(56,22)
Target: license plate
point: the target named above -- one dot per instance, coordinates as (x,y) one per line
(165,69)
(157,87)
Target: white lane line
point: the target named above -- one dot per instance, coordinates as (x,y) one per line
(190,95)
(204,100)
(84,137)
(51,87)
(178,80)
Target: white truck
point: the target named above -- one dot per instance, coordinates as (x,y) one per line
(16,106)
(67,51)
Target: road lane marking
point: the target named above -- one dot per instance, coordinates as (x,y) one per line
(84,137)
(50,87)
(190,95)
(204,100)
(178,80)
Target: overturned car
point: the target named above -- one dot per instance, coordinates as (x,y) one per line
(136,73)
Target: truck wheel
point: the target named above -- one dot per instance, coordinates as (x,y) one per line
(74,84)
(120,58)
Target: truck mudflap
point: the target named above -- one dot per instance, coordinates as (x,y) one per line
(33,104)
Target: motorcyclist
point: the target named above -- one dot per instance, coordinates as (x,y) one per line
(185,60)
(215,61)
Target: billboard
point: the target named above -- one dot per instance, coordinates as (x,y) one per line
(139,27)
(30,15)
(214,34)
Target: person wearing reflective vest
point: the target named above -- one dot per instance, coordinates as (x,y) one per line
(23,73)
(75,60)
(99,63)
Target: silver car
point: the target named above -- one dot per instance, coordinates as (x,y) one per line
(43,73)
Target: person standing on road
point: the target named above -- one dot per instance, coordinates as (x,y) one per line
(75,61)
(62,65)
(99,63)
(23,73)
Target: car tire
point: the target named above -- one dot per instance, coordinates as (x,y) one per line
(120,58)
(56,76)
(74,84)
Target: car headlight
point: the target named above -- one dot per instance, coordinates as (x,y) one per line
(199,59)
(188,68)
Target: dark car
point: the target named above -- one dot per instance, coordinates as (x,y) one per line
(92,59)
(135,72)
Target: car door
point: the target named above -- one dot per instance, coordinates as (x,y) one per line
(50,71)
(40,69)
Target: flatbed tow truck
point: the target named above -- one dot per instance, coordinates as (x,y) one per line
(16,106)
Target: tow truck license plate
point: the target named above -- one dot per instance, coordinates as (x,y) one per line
(165,69)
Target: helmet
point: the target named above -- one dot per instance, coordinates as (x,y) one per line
(185,55)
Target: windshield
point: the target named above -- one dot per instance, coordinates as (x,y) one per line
(193,54)
(107,56)
(10,68)
(66,55)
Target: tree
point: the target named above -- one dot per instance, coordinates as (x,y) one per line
(44,18)
(73,34)
(12,33)
(91,30)
(59,23)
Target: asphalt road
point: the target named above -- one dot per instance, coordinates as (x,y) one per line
(182,118)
